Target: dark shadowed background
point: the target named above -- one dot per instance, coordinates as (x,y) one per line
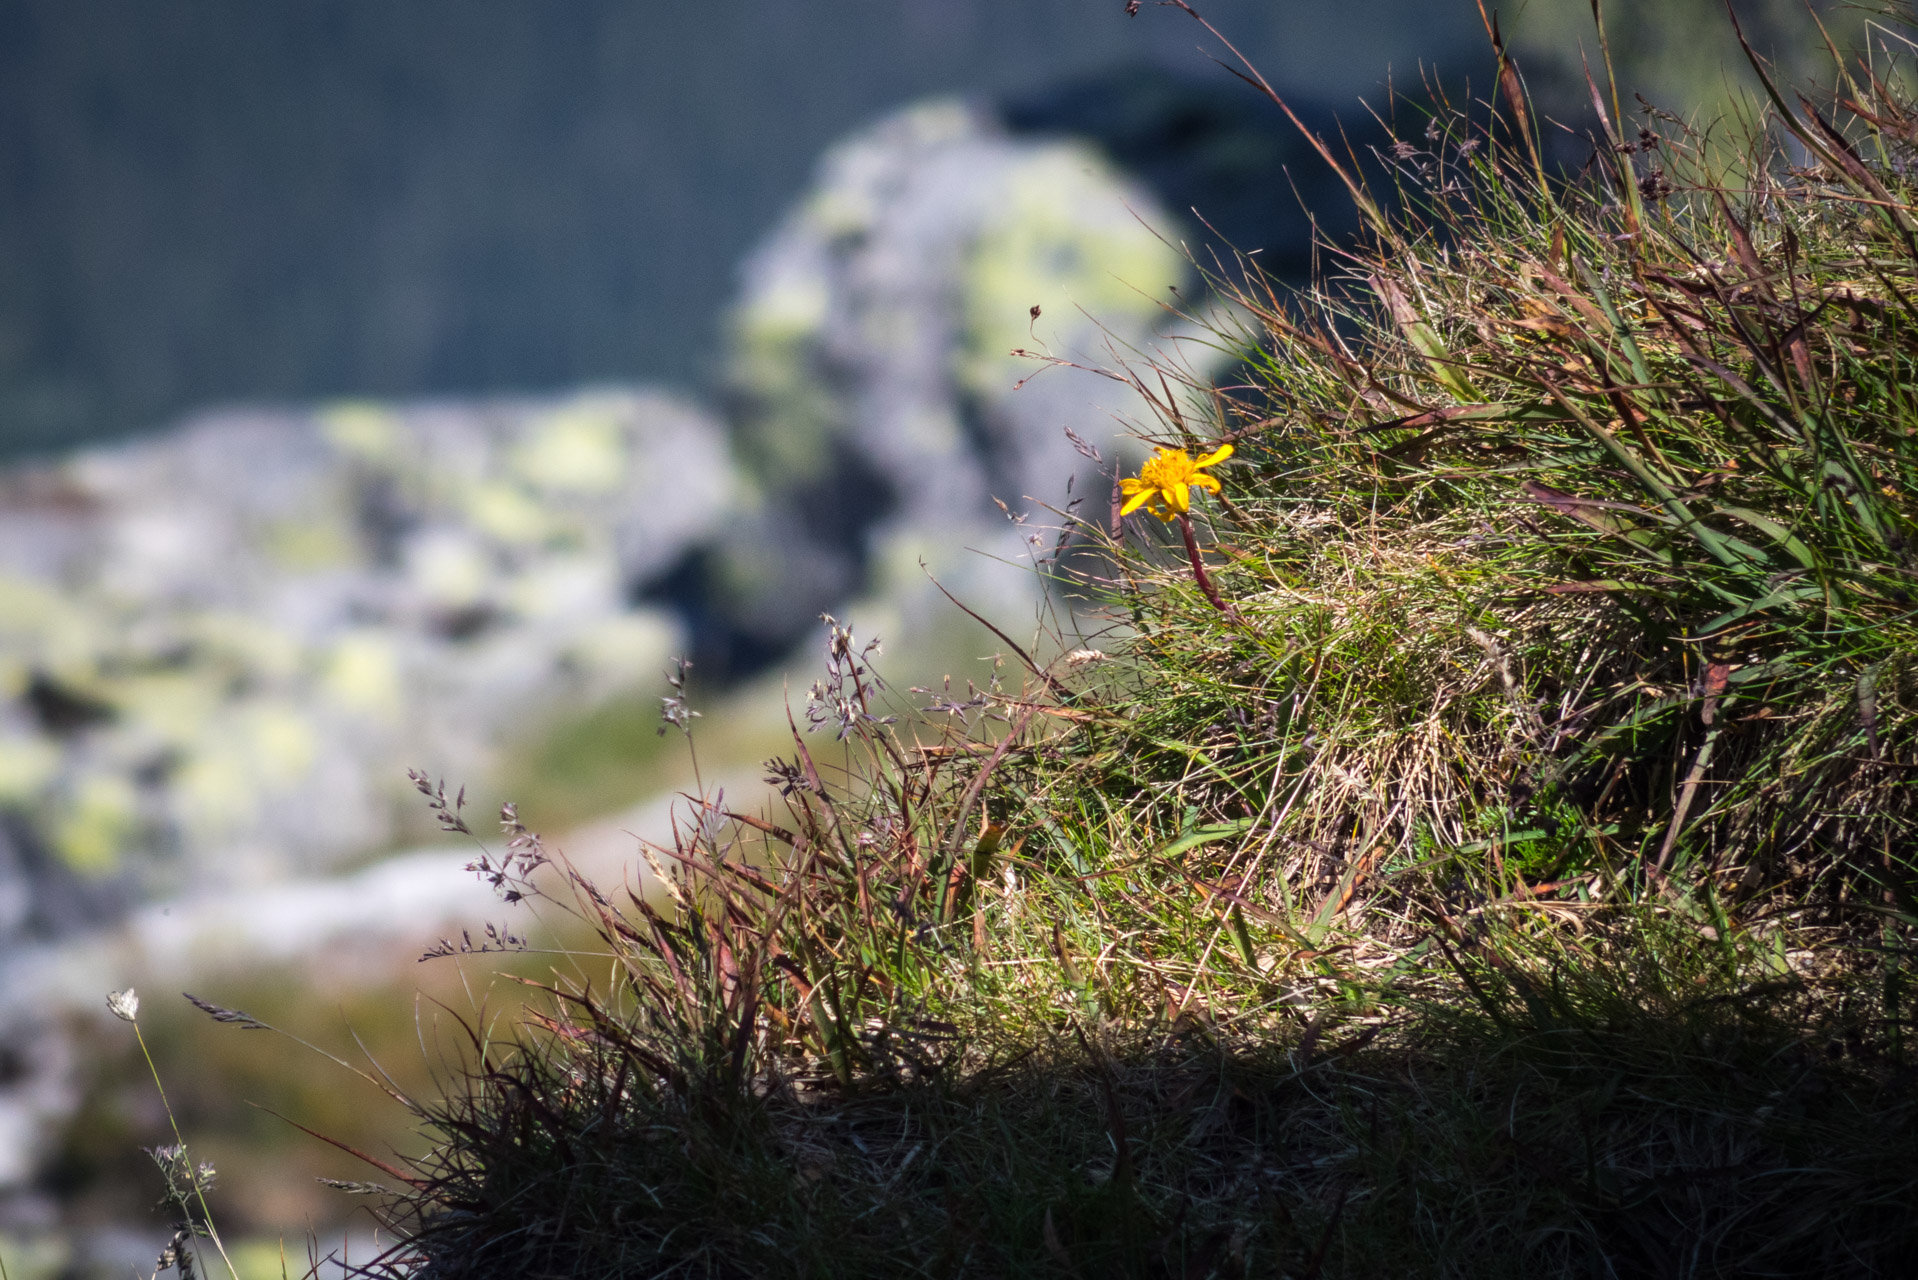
(215,199)
(208,200)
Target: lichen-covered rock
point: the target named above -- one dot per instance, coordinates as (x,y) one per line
(872,377)
(220,647)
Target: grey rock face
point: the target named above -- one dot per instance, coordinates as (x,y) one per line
(873,385)
(221,647)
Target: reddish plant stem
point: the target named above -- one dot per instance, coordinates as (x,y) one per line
(1199,574)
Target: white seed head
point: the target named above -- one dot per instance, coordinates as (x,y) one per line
(125,1005)
(1080,657)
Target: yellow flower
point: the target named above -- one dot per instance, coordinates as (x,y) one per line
(1165,483)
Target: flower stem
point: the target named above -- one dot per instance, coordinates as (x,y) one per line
(199,1192)
(1199,574)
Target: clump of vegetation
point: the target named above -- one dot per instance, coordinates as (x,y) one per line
(1498,862)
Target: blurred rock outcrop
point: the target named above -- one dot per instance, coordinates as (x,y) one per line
(874,391)
(220,647)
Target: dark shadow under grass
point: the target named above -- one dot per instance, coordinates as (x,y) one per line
(1641,1122)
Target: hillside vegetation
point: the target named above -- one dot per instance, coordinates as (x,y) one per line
(1496,862)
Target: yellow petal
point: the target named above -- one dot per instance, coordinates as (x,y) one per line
(1209,483)
(1219,454)
(1139,499)
(1179,496)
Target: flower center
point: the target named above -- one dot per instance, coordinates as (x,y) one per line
(1167,470)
